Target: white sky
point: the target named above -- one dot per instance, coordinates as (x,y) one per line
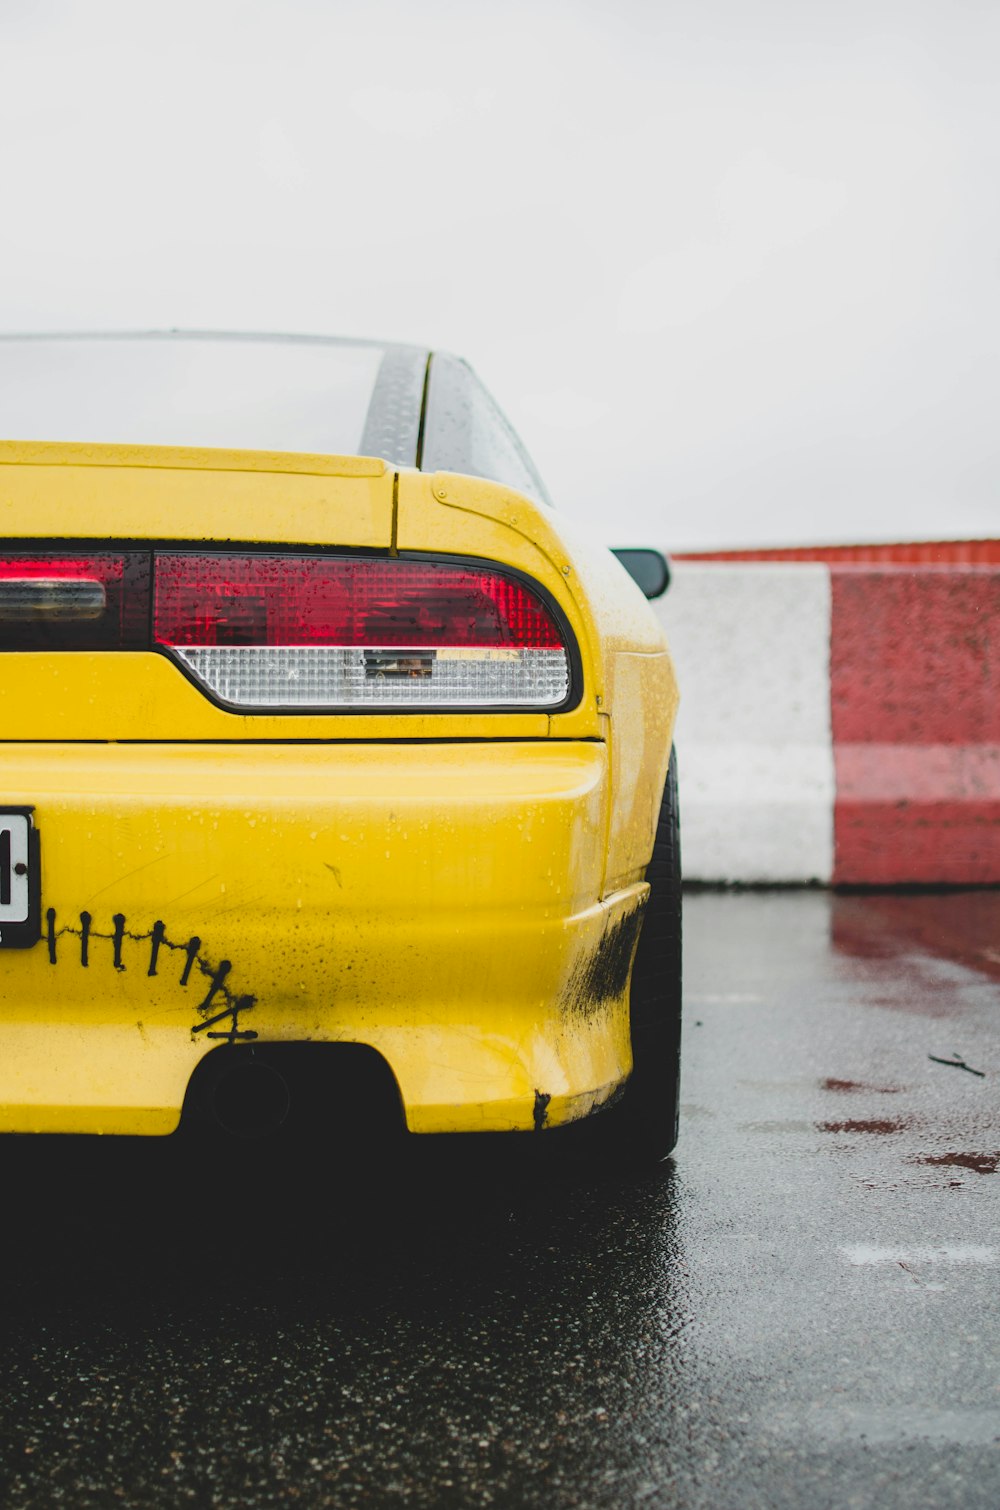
(731,268)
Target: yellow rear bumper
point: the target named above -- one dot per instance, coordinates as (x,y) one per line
(438,902)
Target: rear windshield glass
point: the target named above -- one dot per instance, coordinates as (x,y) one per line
(255,394)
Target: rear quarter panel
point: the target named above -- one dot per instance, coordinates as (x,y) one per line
(630,686)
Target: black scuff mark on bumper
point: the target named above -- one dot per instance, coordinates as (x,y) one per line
(232,1034)
(541,1109)
(603,974)
(85,922)
(218,984)
(119,938)
(191,950)
(219,994)
(156,940)
(616,1096)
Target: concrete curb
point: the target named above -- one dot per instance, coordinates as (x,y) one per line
(840,721)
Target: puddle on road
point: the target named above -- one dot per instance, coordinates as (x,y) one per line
(859,1087)
(880,1127)
(785,1125)
(888,1425)
(927,956)
(723,999)
(911,1185)
(960,927)
(980,1163)
(948,1255)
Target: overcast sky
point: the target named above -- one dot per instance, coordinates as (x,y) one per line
(729,265)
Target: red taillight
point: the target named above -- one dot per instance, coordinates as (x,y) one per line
(74,601)
(263,631)
(349,601)
(352,631)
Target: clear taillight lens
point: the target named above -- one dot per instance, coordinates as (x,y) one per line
(342,632)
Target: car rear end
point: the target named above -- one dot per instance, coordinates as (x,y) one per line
(300,749)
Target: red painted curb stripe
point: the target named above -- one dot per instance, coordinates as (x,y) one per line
(915,706)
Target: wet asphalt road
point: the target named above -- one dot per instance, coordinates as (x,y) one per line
(803,1310)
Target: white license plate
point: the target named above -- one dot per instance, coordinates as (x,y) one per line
(19,900)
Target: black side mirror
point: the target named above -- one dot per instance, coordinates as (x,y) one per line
(648,568)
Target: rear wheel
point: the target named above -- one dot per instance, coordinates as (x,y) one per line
(645,1118)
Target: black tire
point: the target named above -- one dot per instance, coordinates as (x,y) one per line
(644,1120)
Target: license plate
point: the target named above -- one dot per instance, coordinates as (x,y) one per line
(20,903)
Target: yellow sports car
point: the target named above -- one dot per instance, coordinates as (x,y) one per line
(320,729)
